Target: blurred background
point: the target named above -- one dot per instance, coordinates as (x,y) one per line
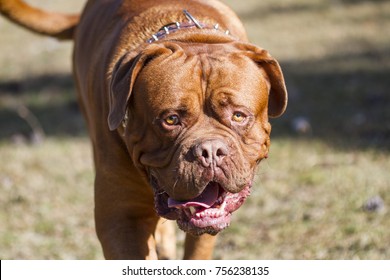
(324,192)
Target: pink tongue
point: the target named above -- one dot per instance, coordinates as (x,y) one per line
(206,199)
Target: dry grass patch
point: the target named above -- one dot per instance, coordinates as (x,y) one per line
(308,204)
(46,203)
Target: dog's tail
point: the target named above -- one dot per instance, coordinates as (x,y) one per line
(58,25)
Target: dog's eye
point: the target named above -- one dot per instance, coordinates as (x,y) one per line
(238,117)
(172,120)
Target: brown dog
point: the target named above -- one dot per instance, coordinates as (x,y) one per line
(177,105)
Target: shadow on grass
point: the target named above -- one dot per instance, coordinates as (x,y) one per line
(50,99)
(261,12)
(344,98)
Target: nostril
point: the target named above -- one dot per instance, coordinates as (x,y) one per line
(210,151)
(205,154)
(221,152)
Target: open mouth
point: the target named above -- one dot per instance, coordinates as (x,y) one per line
(210,212)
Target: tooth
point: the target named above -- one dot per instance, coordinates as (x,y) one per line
(192,210)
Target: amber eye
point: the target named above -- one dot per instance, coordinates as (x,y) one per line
(172,120)
(238,117)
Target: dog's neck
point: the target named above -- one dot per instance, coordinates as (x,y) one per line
(176,26)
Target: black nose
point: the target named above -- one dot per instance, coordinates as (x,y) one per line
(211,152)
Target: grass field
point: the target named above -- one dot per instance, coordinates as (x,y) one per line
(324,193)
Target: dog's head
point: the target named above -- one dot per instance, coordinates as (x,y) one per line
(197,124)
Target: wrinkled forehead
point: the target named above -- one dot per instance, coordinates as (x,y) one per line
(168,81)
(199,73)
(236,77)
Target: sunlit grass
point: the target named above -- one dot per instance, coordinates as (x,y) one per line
(308,204)
(46,203)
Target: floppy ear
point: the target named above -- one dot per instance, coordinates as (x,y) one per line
(123,78)
(277,102)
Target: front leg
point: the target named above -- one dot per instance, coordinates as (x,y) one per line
(124,215)
(127,238)
(124,238)
(199,247)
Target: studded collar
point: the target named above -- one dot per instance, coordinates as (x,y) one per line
(176,26)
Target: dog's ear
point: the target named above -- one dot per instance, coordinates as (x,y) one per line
(277,102)
(123,78)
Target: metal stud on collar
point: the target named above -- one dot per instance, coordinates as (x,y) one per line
(191,18)
(125,119)
(198,25)
(173,27)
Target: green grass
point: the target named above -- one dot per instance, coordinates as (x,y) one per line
(310,207)
(46,203)
(308,197)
